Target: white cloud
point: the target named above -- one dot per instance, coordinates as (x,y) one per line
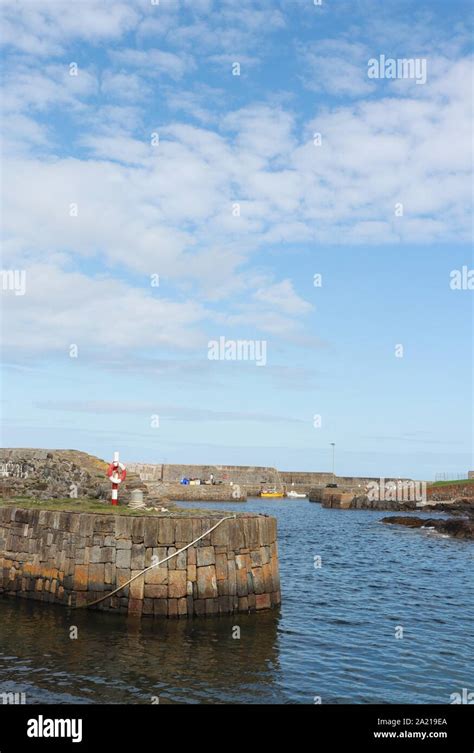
(61,308)
(46,27)
(337,67)
(126,87)
(169,412)
(283,297)
(153,62)
(32,88)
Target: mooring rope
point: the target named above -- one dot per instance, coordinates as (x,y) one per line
(142,572)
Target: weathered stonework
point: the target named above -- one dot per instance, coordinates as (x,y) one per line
(73,558)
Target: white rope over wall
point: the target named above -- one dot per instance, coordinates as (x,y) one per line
(142,572)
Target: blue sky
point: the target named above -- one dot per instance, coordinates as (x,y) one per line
(236,208)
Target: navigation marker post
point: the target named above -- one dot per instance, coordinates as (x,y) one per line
(116,473)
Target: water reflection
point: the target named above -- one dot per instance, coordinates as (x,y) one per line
(127,660)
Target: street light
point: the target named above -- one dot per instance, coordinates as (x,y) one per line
(333,445)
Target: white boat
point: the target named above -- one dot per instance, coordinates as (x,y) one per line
(296,495)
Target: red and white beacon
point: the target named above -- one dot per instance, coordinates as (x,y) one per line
(116,473)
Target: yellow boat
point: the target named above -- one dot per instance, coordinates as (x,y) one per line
(271,493)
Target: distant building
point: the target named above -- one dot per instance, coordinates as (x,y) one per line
(470,474)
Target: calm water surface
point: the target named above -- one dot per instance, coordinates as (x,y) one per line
(333,637)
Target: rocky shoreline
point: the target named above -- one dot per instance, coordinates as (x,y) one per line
(459,528)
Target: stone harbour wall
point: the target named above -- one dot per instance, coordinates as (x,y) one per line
(73,558)
(201,493)
(250,479)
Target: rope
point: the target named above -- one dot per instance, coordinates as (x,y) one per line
(142,572)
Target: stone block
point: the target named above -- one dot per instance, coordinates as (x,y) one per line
(166,533)
(172,607)
(184,530)
(275,573)
(205,556)
(138,530)
(199,606)
(137,557)
(242,561)
(199,527)
(207,582)
(251,532)
(258,580)
(124,544)
(150,532)
(250,586)
(109,573)
(182,607)
(135,607)
(177,584)
(156,592)
(159,554)
(94,554)
(104,523)
(86,525)
(267,578)
(81,577)
(181,561)
(172,562)
(123,527)
(262,601)
(137,586)
(242,587)
(96,576)
(212,606)
(123,558)
(236,540)
(121,577)
(220,536)
(160,607)
(157,576)
(232,578)
(221,567)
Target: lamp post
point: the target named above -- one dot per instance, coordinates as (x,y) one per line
(333,445)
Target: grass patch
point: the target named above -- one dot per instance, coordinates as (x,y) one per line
(462,481)
(84,504)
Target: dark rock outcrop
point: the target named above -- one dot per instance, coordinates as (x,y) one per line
(459,528)
(363,502)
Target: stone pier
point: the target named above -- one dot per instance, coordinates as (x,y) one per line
(73,558)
